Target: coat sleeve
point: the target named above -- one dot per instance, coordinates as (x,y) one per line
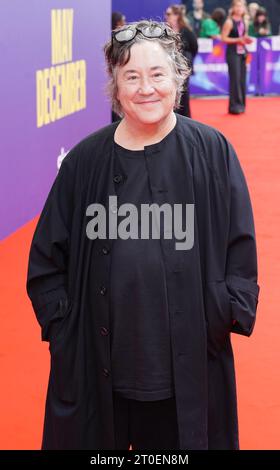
(241,265)
(48,257)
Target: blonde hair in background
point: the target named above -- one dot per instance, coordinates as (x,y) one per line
(246,16)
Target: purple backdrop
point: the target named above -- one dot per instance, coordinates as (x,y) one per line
(144,9)
(29,153)
(270,59)
(211,71)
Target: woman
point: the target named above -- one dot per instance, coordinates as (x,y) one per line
(197,15)
(261,25)
(234,34)
(211,27)
(139,326)
(176,18)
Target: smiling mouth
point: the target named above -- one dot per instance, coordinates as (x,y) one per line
(149,102)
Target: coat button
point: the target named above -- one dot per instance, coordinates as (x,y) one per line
(105,250)
(106,372)
(118,178)
(103,290)
(104,331)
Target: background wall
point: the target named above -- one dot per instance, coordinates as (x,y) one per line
(136,10)
(29,149)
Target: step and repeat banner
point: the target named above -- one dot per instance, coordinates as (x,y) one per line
(52,95)
(269,65)
(211,71)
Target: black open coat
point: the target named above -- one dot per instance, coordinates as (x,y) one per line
(212,288)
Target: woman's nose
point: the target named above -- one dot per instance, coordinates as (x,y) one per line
(146,86)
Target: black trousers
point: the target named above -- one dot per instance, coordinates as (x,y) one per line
(145,424)
(237,82)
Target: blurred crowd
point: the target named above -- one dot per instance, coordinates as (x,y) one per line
(206,24)
(209,24)
(235,27)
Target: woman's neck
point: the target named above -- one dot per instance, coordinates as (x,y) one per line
(237,17)
(134,135)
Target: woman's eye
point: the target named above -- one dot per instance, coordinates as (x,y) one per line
(132,77)
(158,74)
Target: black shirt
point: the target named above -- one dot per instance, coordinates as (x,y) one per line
(140,339)
(234,33)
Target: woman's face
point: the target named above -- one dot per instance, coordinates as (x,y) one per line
(146,87)
(198,4)
(261,18)
(238,8)
(171,18)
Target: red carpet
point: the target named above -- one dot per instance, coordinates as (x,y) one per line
(24,359)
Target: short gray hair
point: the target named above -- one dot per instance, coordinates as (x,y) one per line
(118,54)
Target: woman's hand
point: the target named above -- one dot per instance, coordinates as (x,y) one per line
(245,40)
(263,31)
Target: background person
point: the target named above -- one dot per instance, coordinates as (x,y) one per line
(196,15)
(252,10)
(234,34)
(211,27)
(261,25)
(118,20)
(176,17)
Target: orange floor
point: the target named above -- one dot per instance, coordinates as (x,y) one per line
(24,359)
